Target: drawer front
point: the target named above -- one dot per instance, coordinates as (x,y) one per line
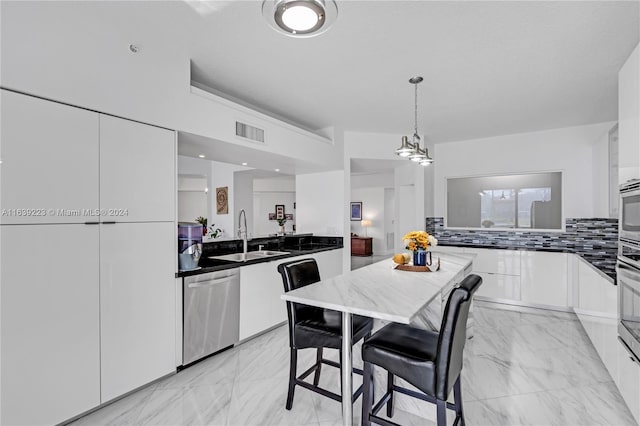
(499,286)
(495,261)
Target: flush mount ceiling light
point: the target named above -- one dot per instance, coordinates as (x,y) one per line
(300,18)
(412,150)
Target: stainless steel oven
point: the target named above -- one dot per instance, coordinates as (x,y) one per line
(629,266)
(629,306)
(629,227)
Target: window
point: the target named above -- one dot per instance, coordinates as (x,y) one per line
(531,201)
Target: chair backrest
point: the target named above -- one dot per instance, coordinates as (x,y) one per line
(296,274)
(453,335)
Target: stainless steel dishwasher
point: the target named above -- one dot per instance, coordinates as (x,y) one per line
(211,313)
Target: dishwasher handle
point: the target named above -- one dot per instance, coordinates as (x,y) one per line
(211,283)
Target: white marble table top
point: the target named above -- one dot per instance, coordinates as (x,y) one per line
(379,291)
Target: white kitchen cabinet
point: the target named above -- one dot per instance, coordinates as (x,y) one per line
(543,278)
(137,171)
(329,263)
(629,118)
(137,305)
(49,153)
(50,323)
(499,286)
(261,287)
(506,262)
(500,272)
(260,305)
(628,380)
(596,295)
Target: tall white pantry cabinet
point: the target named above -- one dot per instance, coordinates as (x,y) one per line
(87,300)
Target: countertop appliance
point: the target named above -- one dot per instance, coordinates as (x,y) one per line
(211,313)
(628,267)
(189,245)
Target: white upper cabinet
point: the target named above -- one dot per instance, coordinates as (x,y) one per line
(137,171)
(49,152)
(629,118)
(50,323)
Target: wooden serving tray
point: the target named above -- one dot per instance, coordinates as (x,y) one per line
(434,267)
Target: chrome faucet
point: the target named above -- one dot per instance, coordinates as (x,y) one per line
(242,234)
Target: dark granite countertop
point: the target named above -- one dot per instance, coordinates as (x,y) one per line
(294,245)
(211,265)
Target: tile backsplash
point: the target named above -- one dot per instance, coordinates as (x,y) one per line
(594,239)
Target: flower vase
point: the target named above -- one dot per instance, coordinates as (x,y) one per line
(282,229)
(421,258)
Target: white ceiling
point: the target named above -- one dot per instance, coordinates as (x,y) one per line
(490,68)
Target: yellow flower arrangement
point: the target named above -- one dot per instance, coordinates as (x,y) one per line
(416,240)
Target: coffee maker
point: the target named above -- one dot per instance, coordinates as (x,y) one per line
(189,245)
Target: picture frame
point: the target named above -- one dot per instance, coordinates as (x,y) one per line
(222,200)
(279,211)
(356,210)
(272,216)
(288,216)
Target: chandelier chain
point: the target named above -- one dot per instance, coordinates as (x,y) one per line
(415,101)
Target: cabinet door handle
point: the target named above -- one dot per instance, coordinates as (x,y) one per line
(210,283)
(109,223)
(92,223)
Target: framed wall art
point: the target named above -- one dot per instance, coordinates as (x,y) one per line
(356,210)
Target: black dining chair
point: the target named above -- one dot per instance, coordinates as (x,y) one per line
(313,327)
(431,361)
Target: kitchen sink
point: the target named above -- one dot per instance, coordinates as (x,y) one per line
(252,255)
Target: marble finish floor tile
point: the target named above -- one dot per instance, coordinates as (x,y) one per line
(522,367)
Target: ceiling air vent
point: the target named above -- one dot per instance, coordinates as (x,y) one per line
(250,132)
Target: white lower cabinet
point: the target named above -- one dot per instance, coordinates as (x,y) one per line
(137,305)
(261,287)
(500,272)
(595,294)
(50,323)
(260,304)
(543,279)
(499,286)
(628,380)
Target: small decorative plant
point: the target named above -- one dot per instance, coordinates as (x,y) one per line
(419,240)
(214,232)
(281,222)
(202,221)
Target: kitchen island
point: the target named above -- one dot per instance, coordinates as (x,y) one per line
(382,292)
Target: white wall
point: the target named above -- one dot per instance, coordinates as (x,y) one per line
(243,200)
(569,150)
(264,202)
(320,203)
(43,55)
(219,175)
(629,117)
(373,208)
(600,178)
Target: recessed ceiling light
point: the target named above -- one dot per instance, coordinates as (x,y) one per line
(201,155)
(277,170)
(244,164)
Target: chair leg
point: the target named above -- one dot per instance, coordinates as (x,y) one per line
(390,391)
(292,377)
(457,399)
(316,376)
(367,392)
(340,362)
(442,412)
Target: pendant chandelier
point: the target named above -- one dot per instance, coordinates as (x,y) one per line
(412,150)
